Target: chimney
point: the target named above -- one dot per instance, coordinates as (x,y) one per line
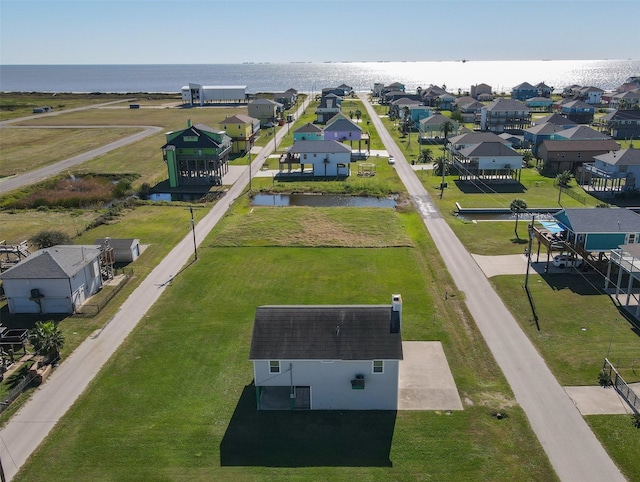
(396,314)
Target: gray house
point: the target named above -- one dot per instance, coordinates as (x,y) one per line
(53,280)
(327,357)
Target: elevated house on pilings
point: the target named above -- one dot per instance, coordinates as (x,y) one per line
(196,156)
(488,162)
(624,265)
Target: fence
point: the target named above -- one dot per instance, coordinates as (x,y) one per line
(621,386)
(92,309)
(16,391)
(572,194)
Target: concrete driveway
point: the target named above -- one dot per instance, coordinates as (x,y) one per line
(425,380)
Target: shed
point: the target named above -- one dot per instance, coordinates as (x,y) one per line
(125,250)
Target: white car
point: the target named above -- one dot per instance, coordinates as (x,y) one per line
(566,260)
(392,160)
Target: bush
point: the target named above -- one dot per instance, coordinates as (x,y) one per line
(604,379)
(46,239)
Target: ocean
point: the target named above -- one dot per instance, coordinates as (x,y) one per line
(313,77)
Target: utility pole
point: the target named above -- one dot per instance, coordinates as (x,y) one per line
(249,168)
(193,230)
(275,144)
(443,167)
(526,278)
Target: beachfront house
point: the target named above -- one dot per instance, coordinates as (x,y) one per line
(198,95)
(288,98)
(196,156)
(481,91)
(327,357)
(53,280)
(243,130)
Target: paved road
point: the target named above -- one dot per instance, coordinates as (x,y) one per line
(31,177)
(32,423)
(571,446)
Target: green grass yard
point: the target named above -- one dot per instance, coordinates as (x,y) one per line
(176,401)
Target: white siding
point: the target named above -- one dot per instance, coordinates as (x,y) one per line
(330,382)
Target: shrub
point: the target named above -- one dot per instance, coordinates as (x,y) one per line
(46,239)
(604,379)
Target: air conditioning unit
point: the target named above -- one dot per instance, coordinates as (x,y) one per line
(358,383)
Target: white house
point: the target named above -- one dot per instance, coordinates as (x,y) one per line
(327,357)
(197,94)
(327,157)
(53,280)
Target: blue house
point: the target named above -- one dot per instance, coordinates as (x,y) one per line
(308,132)
(599,230)
(524,91)
(615,171)
(578,111)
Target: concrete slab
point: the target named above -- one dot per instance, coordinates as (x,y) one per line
(234,174)
(516,264)
(595,400)
(425,380)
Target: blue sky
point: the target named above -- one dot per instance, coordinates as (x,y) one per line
(236,31)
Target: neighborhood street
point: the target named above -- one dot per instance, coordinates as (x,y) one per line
(31,424)
(571,446)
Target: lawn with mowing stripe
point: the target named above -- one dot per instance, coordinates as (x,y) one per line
(176,401)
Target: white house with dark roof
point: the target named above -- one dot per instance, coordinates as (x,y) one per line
(125,250)
(53,280)
(327,357)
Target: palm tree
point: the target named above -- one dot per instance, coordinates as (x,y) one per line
(440,166)
(517,205)
(47,339)
(426,156)
(446,128)
(358,114)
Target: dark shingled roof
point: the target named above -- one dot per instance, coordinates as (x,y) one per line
(330,332)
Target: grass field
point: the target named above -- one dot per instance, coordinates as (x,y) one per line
(176,401)
(196,420)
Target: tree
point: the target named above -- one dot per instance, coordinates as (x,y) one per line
(456,115)
(527,157)
(426,156)
(440,165)
(358,114)
(564,178)
(46,239)
(517,206)
(446,128)
(351,113)
(47,339)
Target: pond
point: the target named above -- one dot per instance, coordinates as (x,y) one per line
(320,200)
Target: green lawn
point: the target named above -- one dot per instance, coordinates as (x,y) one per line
(176,401)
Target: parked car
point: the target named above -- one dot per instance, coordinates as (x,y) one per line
(566,260)
(392,160)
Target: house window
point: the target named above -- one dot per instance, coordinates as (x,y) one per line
(632,238)
(378,366)
(274,366)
